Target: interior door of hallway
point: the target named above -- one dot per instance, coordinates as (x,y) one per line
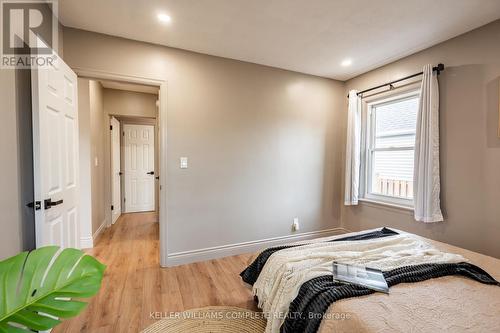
(139,158)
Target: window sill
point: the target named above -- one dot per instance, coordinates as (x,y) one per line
(386,205)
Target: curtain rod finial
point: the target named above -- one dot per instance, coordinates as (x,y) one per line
(439,68)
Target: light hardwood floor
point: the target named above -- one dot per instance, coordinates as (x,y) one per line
(134,285)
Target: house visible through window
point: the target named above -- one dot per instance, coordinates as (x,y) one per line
(390,144)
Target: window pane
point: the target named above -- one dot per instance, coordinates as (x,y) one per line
(392,173)
(395,123)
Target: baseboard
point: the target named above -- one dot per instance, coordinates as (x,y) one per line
(186,257)
(99,230)
(346,231)
(86,242)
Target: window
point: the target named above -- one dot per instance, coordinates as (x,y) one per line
(390,143)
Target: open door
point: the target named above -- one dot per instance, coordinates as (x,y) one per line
(116,207)
(55,155)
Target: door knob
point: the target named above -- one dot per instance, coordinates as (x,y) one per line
(151,173)
(48,203)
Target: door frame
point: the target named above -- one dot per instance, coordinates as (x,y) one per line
(162,142)
(112,166)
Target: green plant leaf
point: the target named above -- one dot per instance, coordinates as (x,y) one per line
(40,287)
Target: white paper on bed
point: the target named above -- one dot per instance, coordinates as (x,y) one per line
(363,276)
(285,271)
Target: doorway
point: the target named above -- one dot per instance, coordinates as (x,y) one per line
(131,165)
(121,119)
(134,165)
(160,88)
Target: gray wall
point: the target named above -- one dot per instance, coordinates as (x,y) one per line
(263,144)
(129,103)
(470,147)
(10,202)
(98,171)
(18,221)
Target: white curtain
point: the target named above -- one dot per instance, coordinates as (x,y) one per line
(426,181)
(353,150)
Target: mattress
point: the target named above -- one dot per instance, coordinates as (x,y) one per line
(446,304)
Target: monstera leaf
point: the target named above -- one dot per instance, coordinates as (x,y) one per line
(40,287)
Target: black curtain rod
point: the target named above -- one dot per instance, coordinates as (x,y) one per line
(438,69)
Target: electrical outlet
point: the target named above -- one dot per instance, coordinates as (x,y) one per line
(295,224)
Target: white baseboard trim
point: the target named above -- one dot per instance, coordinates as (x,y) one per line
(186,257)
(346,231)
(99,230)
(86,242)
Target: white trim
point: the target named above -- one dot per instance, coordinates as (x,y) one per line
(387,199)
(346,231)
(86,242)
(99,230)
(104,75)
(186,257)
(163,95)
(386,205)
(368,147)
(163,148)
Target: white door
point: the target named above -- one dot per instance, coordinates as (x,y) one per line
(139,168)
(116,193)
(55,155)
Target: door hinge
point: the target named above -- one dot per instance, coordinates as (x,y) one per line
(124,199)
(111,127)
(112,207)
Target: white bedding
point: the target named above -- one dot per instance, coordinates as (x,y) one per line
(286,270)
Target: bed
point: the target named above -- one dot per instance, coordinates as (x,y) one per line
(451,303)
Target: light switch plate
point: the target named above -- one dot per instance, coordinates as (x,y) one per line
(184,162)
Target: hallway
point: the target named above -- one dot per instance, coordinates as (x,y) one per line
(134,285)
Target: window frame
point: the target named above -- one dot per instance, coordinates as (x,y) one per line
(368,145)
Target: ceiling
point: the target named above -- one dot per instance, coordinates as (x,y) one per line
(130,87)
(308,36)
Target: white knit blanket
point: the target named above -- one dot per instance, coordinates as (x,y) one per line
(285,271)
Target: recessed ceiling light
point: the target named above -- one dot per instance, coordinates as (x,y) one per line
(164,18)
(346,62)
